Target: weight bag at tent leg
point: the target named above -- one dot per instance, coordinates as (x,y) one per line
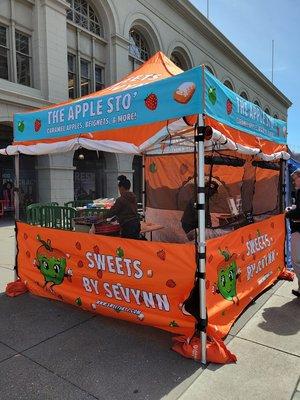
(216,351)
(16,288)
(287,275)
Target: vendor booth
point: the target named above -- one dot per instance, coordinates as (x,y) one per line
(203,147)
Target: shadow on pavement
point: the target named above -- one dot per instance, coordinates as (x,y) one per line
(283,320)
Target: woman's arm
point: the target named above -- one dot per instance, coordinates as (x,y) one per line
(115,209)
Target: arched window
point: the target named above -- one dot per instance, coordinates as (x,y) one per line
(82,14)
(244,95)
(176,60)
(228,84)
(86,61)
(275,116)
(267,111)
(256,103)
(209,69)
(139,49)
(179,60)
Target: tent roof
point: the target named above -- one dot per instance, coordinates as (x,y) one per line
(141,110)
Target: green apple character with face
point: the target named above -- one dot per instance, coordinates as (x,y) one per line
(52,263)
(227,276)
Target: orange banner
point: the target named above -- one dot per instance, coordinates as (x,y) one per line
(147,282)
(239,266)
(138,281)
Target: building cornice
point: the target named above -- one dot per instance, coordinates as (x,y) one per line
(202,24)
(58,5)
(21,99)
(120,40)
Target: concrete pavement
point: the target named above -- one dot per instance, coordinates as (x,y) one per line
(7,252)
(50,350)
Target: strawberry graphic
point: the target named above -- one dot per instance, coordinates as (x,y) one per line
(161,254)
(170,283)
(37,125)
(80,264)
(151,101)
(96,249)
(183,169)
(228,106)
(28,254)
(99,273)
(78,246)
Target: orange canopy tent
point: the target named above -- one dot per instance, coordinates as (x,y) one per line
(158,109)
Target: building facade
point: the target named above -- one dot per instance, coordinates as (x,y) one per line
(54,50)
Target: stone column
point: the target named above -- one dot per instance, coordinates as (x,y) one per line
(120,62)
(117,164)
(125,166)
(56,178)
(51,43)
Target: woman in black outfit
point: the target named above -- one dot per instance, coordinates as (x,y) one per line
(125,209)
(293,214)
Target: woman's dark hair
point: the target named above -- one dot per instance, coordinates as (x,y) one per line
(124,182)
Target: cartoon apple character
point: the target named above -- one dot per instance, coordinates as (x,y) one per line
(52,263)
(227,275)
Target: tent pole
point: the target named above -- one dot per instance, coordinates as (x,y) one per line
(201,245)
(17,187)
(143,187)
(285,189)
(17,208)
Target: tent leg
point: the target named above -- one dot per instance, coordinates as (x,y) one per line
(201,245)
(17,208)
(143,188)
(285,192)
(17,187)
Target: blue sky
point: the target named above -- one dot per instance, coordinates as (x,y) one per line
(251,26)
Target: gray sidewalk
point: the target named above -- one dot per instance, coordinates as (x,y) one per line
(50,350)
(7,252)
